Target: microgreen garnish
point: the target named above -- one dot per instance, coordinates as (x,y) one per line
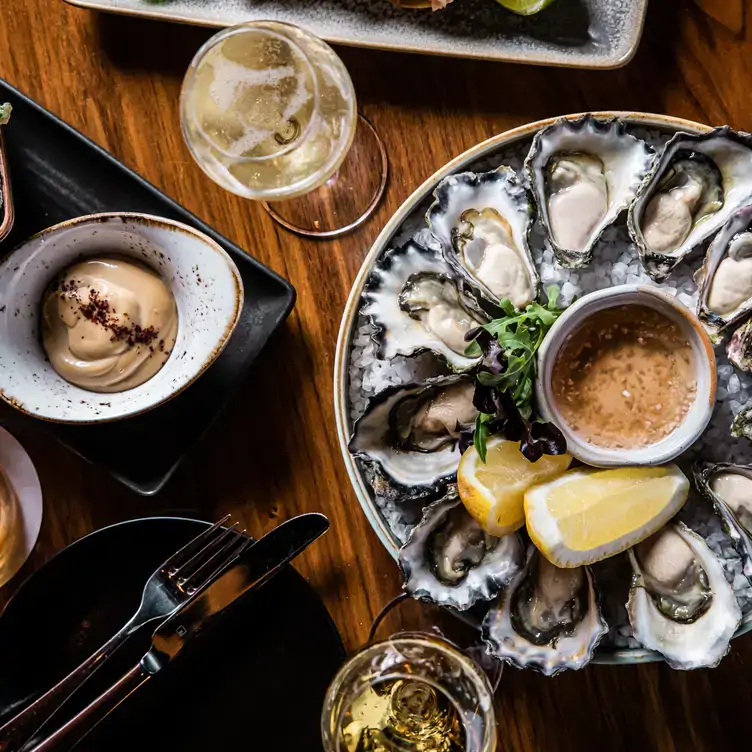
(505,378)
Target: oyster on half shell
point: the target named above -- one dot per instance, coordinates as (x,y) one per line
(680,603)
(583,174)
(411,433)
(739,348)
(448,559)
(725,278)
(694,186)
(547,618)
(729,488)
(741,426)
(483,221)
(417,302)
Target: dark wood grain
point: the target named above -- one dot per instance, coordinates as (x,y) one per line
(274,453)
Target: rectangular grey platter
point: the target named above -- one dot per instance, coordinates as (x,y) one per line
(572,33)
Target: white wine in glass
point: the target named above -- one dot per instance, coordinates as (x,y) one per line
(411,693)
(268,111)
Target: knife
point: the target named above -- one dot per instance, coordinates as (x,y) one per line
(253,567)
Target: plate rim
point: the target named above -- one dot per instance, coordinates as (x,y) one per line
(30,497)
(625,50)
(349,318)
(74,543)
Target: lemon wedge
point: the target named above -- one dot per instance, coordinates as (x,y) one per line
(524,7)
(493,492)
(587,514)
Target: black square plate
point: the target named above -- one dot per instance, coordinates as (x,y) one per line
(58,174)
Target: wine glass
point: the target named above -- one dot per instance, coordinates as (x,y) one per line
(414,691)
(268,111)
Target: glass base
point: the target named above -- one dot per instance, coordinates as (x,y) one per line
(347,198)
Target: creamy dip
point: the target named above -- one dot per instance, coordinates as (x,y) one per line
(624,378)
(108,324)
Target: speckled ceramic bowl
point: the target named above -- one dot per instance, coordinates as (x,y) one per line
(206,284)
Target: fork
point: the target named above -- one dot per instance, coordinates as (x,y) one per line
(177,581)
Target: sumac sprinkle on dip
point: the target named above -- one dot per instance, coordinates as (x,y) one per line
(625,378)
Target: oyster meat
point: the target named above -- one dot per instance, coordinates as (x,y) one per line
(725,278)
(696,183)
(482,222)
(680,603)
(411,432)
(449,560)
(416,302)
(547,618)
(583,174)
(729,488)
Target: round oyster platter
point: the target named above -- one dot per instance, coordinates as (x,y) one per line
(423,285)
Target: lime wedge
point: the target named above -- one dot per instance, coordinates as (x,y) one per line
(524,7)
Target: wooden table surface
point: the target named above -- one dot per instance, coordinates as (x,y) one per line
(274,453)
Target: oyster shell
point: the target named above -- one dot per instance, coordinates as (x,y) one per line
(411,432)
(695,184)
(420,4)
(449,560)
(739,348)
(583,174)
(6,197)
(547,618)
(680,603)
(741,426)
(729,488)
(725,277)
(416,303)
(482,222)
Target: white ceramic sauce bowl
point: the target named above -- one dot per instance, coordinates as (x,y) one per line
(699,414)
(204,280)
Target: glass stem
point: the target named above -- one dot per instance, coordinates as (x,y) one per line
(383,613)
